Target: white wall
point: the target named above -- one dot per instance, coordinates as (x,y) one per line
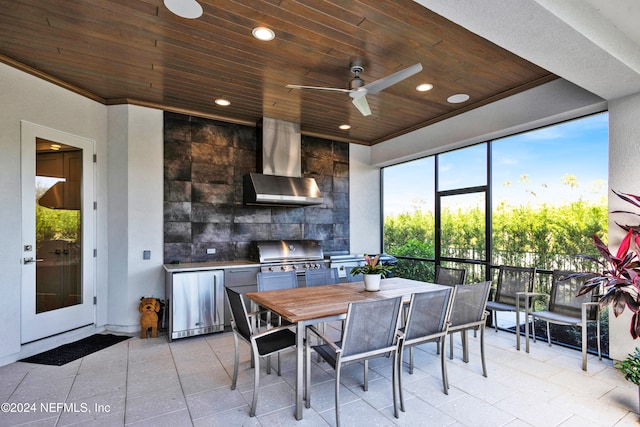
(135,212)
(624,176)
(25,97)
(364,201)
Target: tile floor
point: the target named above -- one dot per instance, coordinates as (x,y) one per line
(187,383)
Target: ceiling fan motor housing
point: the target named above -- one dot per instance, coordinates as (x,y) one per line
(356,68)
(356,83)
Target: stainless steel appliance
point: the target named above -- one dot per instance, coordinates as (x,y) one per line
(344,262)
(196,303)
(287,255)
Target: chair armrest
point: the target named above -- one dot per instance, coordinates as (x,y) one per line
(528,296)
(269,331)
(323,337)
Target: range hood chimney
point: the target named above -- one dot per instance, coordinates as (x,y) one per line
(279,160)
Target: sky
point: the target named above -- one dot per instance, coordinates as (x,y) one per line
(552,165)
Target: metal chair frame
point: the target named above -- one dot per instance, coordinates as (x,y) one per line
(427,321)
(565,308)
(358,343)
(469,312)
(263,343)
(513,283)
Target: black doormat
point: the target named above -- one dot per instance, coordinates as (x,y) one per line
(75,350)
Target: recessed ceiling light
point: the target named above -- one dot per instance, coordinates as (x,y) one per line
(424,87)
(223,102)
(189,9)
(263,33)
(458,98)
(345,127)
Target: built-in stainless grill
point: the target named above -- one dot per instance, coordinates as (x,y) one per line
(287,255)
(345,261)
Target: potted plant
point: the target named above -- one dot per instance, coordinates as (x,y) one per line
(372,272)
(630,367)
(619,279)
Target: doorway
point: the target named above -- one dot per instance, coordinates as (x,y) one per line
(58,281)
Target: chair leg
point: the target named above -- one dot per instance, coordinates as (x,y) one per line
(495,320)
(338,396)
(394,367)
(598,337)
(443,365)
(465,346)
(268,365)
(450,346)
(584,345)
(279,370)
(484,364)
(365,387)
(235,362)
(256,386)
(399,362)
(307,372)
(548,335)
(411,360)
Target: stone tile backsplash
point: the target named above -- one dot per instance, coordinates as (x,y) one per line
(204,162)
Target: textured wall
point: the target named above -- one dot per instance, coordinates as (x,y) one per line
(204,162)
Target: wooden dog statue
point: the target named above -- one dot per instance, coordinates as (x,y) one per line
(149,307)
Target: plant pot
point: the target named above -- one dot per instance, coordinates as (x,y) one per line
(372,282)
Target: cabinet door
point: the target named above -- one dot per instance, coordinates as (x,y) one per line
(197,301)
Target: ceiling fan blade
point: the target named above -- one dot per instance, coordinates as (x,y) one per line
(390,80)
(332,89)
(362,105)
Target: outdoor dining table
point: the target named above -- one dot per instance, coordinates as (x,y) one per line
(305,306)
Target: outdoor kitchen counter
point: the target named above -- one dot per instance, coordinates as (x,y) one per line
(209,265)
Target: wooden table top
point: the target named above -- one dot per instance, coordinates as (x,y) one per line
(316,302)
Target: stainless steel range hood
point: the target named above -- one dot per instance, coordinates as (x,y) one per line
(279,159)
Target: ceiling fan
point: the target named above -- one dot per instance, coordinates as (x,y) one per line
(358,90)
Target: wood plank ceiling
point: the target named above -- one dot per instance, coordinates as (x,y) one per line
(138,52)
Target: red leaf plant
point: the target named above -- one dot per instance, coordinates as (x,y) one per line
(619,279)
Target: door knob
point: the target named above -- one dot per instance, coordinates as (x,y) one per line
(31,260)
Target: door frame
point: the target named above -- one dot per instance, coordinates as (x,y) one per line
(41,325)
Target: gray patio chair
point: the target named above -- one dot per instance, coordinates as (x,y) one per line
(263,343)
(450,276)
(513,282)
(274,281)
(370,331)
(565,308)
(321,276)
(469,312)
(427,321)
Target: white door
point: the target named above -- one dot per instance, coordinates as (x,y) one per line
(58,232)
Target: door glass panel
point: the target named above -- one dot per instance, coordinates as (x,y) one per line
(463,226)
(58,226)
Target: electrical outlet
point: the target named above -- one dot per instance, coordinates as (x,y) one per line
(211,251)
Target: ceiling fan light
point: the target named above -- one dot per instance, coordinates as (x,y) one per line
(458,98)
(189,9)
(424,87)
(222,102)
(263,33)
(345,127)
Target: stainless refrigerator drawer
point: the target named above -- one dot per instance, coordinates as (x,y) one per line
(197,303)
